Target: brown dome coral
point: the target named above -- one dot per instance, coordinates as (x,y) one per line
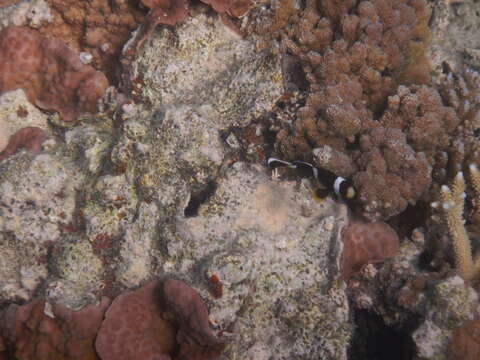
(51,74)
(391,174)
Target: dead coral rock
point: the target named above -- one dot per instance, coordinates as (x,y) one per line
(365,243)
(391,174)
(194,335)
(29,138)
(134,328)
(51,74)
(30,334)
(97,27)
(465,343)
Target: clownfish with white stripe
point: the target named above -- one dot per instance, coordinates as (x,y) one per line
(341,187)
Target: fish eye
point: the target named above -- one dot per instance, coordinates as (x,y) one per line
(350,193)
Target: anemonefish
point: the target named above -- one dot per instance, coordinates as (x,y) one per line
(343,188)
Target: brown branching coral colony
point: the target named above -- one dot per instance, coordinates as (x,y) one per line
(372,113)
(368,112)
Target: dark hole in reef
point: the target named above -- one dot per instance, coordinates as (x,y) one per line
(197,198)
(374,340)
(412,217)
(293,74)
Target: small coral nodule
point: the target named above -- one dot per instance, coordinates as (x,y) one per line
(29,138)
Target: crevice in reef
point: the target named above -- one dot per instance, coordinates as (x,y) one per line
(197,198)
(374,340)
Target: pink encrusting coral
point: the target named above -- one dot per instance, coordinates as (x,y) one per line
(165,319)
(135,329)
(30,334)
(195,337)
(235,8)
(51,74)
(366,243)
(168,12)
(29,138)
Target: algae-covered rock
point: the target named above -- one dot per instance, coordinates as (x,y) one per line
(276,251)
(204,62)
(77,273)
(451,304)
(38,201)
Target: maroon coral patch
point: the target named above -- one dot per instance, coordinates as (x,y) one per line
(366,243)
(29,138)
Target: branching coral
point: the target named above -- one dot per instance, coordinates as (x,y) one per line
(51,74)
(354,55)
(452,200)
(390,174)
(420,113)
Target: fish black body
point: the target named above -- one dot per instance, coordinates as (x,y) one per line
(343,188)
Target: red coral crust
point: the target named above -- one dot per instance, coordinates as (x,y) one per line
(50,73)
(29,138)
(366,243)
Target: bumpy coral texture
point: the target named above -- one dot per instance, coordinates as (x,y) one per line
(168,12)
(29,138)
(196,338)
(420,113)
(462,92)
(30,334)
(165,319)
(50,73)
(235,8)
(390,174)
(465,343)
(354,55)
(365,243)
(97,27)
(134,328)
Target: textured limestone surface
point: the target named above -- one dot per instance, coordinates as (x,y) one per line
(451,305)
(204,62)
(38,197)
(455,37)
(277,252)
(25,12)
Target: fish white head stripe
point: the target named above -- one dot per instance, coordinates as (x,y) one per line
(336,185)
